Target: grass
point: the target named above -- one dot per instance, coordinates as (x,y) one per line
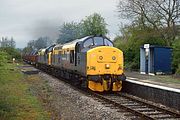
(16,100)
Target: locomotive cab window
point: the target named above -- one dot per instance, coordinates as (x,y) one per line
(88,42)
(108,42)
(98,41)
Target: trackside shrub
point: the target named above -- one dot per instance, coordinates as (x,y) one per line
(176,56)
(3,58)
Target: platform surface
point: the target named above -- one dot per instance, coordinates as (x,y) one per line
(164,81)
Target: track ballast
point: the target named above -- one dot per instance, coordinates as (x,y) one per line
(138,109)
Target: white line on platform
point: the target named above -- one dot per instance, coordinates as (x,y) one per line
(155,86)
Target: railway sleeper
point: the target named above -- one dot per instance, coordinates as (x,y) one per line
(137,107)
(134,105)
(122,110)
(162,117)
(145,110)
(153,113)
(127,103)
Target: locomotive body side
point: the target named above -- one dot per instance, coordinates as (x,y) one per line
(57,56)
(41,56)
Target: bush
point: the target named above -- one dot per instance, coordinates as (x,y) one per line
(3,58)
(12,52)
(178,70)
(176,58)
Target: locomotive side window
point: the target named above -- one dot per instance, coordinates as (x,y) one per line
(108,43)
(67,56)
(72,56)
(77,50)
(98,41)
(59,56)
(54,58)
(50,49)
(64,55)
(88,42)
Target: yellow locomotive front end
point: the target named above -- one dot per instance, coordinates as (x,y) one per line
(105,69)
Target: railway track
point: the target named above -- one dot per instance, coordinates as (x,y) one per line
(137,108)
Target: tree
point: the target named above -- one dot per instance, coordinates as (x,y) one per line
(26,50)
(91,25)
(3,58)
(161,15)
(8,43)
(11,53)
(133,36)
(94,25)
(176,58)
(31,44)
(41,42)
(69,32)
(4,42)
(12,43)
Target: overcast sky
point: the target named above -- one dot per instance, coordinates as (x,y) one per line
(29,19)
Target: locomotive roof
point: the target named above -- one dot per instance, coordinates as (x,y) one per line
(42,51)
(34,52)
(57,47)
(73,43)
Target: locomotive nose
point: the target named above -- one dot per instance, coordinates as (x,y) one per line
(105,60)
(107,57)
(107,63)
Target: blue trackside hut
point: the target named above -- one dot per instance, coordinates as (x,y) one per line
(155,59)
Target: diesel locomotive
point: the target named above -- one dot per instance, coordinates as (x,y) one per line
(92,61)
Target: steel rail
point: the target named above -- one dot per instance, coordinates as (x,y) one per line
(173,113)
(121,106)
(140,114)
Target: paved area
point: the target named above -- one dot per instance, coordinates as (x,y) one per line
(163,80)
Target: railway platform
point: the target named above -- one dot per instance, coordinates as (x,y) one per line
(158,80)
(163,89)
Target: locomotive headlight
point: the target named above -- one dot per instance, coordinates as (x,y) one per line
(92,68)
(100,57)
(107,66)
(113,58)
